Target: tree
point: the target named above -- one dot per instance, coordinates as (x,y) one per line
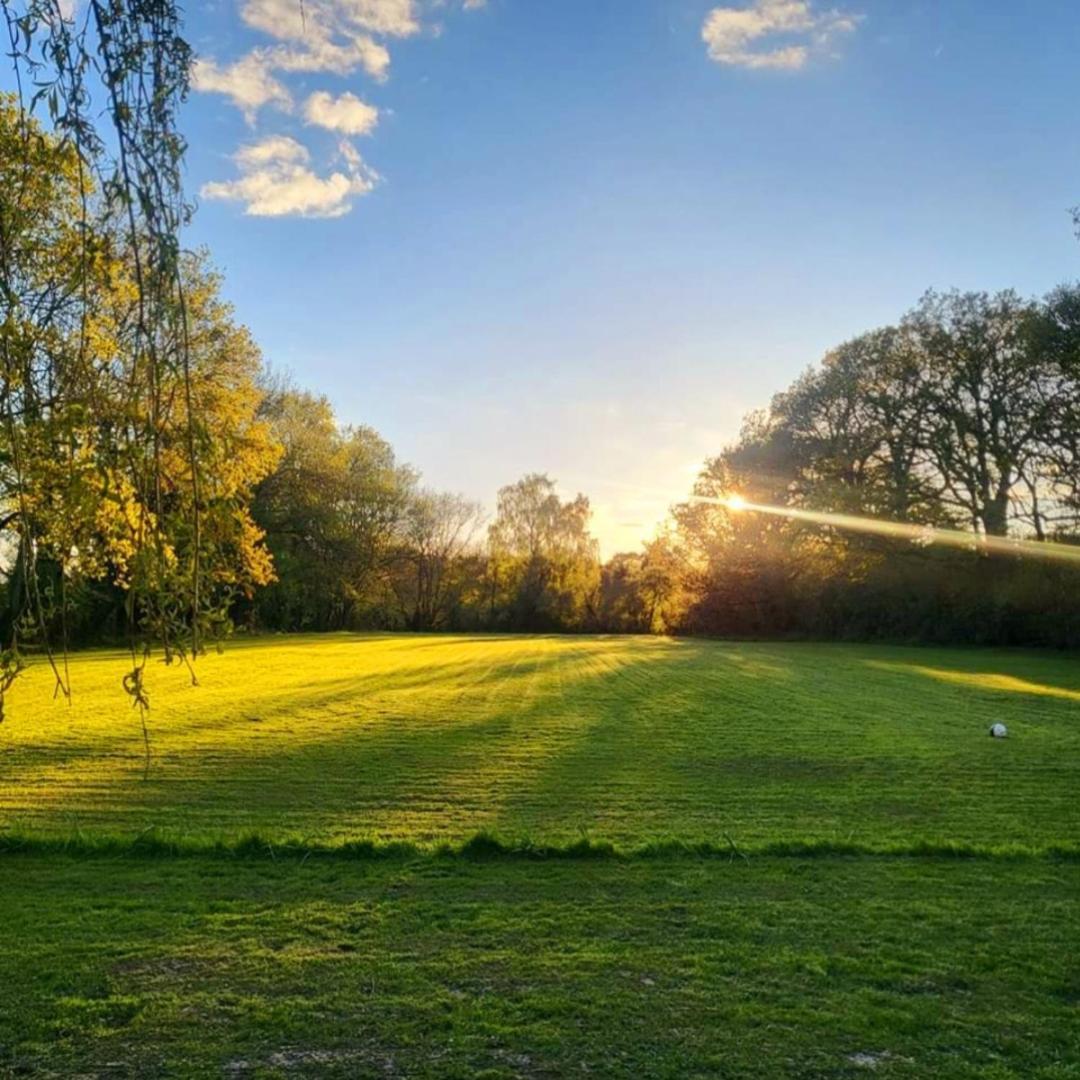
(99,482)
(544,564)
(640,590)
(854,430)
(331,511)
(739,570)
(1053,508)
(437,530)
(965,414)
(987,414)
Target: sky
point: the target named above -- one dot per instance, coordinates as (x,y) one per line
(586,237)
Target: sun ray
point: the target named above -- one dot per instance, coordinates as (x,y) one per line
(917,534)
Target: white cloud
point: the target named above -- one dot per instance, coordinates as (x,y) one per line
(277,181)
(735,35)
(317,35)
(322,54)
(396,18)
(288,20)
(336,37)
(346,114)
(248,83)
(332,35)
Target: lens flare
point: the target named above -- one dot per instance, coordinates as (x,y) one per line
(922,535)
(917,534)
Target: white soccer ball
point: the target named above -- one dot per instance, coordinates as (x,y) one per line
(998,731)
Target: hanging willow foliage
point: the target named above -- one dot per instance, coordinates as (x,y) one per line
(101,431)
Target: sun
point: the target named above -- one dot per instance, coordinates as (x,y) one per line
(735,502)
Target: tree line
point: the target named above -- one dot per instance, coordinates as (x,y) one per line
(115,504)
(964,415)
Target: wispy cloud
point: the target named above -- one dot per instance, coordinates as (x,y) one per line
(776,34)
(276,180)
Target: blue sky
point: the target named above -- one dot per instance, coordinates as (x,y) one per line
(586,236)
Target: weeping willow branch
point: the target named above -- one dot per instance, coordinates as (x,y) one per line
(128,59)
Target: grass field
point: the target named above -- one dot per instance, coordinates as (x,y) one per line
(434,968)
(623,739)
(811,934)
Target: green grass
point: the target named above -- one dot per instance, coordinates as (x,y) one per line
(545,857)
(453,968)
(431,739)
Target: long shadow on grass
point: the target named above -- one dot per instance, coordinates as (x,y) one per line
(303,704)
(626,739)
(369,693)
(821,749)
(594,738)
(389,772)
(249,727)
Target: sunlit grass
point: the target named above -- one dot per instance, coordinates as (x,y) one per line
(433,738)
(987,680)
